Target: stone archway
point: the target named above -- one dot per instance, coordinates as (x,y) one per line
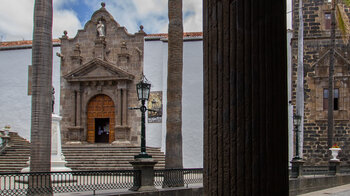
(100,109)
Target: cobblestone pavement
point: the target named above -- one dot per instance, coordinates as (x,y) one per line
(335,191)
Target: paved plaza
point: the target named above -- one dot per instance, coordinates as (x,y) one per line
(335,191)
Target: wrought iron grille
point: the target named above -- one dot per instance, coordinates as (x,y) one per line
(178,177)
(60,182)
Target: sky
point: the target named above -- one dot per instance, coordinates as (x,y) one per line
(16,16)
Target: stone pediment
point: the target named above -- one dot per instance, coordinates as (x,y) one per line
(98,70)
(324,59)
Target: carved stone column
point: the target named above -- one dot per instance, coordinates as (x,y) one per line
(78,108)
(119,107)
(245,98)
(100,47)
(125,107)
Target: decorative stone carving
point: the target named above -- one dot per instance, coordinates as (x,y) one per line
(100,27)
(76,58)
(64,36)
(88,73)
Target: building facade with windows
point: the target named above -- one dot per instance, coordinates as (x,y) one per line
(317,26)
(95,76)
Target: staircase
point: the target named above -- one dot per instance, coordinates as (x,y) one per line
(106,157)
(78,157)
(15,156)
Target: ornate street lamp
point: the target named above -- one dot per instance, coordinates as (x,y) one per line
(143,90)
(297,122)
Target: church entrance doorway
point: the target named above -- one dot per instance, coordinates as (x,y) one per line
(100,119)
(101,130)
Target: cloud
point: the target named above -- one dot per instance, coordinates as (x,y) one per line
(152,14)
(65,20)
(192,22)
(16,21)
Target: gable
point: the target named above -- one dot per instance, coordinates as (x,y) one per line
(98,70)
(340,60)
(321,66)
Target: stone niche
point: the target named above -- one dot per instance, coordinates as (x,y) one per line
(100,67)
(319,82)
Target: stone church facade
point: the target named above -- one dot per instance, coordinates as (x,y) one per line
(316,64)
(100,67)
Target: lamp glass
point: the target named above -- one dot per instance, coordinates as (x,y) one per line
(143,90)
(297,120)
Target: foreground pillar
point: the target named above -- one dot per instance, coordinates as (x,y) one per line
(58,163)
(297,168)
(334,167)
(146,167)
(245,98)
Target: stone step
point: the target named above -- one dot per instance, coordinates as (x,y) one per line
(5,158)
(106,158)
(15,161)
(14,154)
(12,167)
(2,164)
(106,168)
(106,162)
(92,146)
(108,150)
(115,154)
(99,168)
(17,150)
(79,157)
(102,166)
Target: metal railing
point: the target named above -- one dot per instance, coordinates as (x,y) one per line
(178,177)
(78,181)
(61,182)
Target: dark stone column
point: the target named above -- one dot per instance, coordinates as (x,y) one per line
(334,167)
(297,168)
(245,98)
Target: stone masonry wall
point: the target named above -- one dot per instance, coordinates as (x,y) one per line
(120,56)
(316,62)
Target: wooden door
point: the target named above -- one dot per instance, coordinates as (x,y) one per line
(100,106)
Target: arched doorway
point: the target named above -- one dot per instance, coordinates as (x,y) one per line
(100,119)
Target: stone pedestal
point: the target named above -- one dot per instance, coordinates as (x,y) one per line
(334,167)
(297,168)
(146,166)
(57,159)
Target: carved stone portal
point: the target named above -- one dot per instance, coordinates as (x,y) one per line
(98,82)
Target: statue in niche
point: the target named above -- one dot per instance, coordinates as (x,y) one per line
(100,29)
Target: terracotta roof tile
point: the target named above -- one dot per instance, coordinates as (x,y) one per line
(22,43)
(57,41)
(186,34)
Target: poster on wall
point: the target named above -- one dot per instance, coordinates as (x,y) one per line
(155,104)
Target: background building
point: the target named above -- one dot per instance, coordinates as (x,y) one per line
(15,101)
(316,63)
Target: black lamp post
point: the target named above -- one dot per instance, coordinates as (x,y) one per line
(297,122)
(143,89)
